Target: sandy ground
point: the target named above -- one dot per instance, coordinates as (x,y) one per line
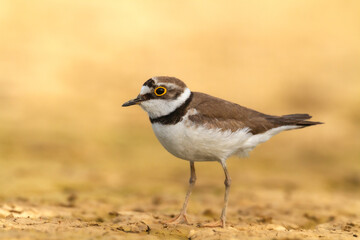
(280,197)
(266,214)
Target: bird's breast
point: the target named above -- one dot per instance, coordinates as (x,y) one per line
(192,142)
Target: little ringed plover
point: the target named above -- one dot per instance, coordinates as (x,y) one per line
(195,127)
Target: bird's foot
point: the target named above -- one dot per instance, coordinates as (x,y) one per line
(181,218)
(219,223)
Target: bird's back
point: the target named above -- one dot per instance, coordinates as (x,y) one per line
(225,115)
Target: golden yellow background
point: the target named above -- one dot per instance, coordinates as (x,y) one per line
(66,67)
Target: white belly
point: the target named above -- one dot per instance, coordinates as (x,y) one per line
(196,143)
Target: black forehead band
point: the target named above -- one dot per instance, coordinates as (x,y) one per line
(150,83)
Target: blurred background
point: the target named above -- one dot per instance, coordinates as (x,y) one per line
(67,66)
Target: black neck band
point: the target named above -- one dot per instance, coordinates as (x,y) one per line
(175,116)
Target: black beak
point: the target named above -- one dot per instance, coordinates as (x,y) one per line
(134,101)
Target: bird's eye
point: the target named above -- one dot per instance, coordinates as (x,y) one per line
(159,91)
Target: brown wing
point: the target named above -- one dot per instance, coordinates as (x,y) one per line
(216,112)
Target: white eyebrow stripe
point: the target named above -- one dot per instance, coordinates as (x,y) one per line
(169,85)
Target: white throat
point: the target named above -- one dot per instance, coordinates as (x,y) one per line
(161,107)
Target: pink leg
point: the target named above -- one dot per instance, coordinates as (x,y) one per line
(221,222)
(181,218)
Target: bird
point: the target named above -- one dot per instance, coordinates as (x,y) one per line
(198,127)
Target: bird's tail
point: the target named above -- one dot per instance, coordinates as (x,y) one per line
(298,119)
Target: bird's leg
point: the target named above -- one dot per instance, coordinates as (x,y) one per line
(181,218)
(221,222)
(226,197)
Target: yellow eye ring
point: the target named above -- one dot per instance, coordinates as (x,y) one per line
(159,91)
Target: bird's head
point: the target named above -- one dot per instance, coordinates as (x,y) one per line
(160,96)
